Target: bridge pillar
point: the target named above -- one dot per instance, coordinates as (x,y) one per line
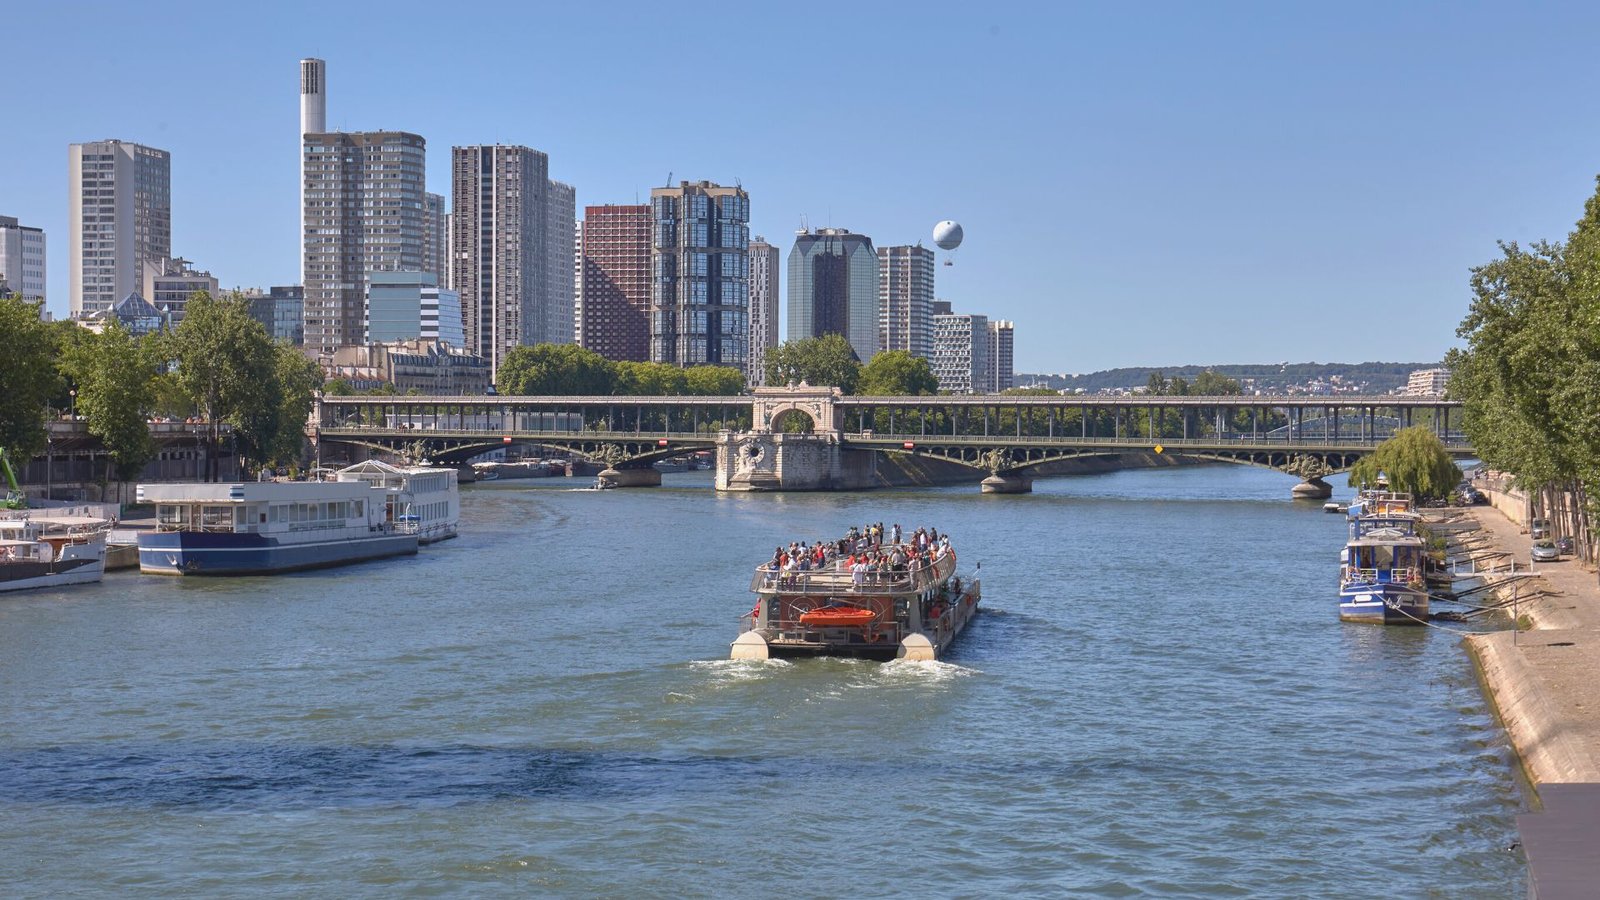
(1312,489)
(625,477)
(1007,484)
(774,461)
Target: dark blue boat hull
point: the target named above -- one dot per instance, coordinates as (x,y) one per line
(208,553)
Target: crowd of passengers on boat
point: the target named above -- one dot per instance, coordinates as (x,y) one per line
(870,554)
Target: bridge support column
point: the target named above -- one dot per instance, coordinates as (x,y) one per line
(770,461)
(1007,484)
(622,478)
(1312,489)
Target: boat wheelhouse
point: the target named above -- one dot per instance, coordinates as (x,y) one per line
(912,612)
(43,551)
(421,499)
(258,528)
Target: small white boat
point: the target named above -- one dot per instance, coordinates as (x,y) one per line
(51,551)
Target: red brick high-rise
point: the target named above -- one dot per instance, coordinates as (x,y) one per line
(616,282)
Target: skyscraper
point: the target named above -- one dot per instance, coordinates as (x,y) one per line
(120,218)
(560,305)
(833,288)
(763,308)
(905,299)
(1001,375)
(22,259)
(436,237)
(700,275)
(497,247)
(363,205)
(961,353)
(616,282)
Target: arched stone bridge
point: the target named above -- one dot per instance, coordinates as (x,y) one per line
(816,438)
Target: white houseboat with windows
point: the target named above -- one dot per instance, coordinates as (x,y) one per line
(44,551)
(911,611)
(420,499)
(258,528)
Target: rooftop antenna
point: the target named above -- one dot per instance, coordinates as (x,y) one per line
(669,179)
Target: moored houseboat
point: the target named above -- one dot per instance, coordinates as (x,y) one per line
(422,499)
(909,611)
(259,528)
(43,551)
(1382,571)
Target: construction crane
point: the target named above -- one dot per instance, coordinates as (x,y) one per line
(15,498)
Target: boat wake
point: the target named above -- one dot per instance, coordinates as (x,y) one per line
(734,670)
(928,670)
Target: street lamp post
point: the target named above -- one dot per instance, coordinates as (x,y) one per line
(49,464)
(73,412)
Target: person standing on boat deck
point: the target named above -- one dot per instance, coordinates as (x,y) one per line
(858,574)
(894,533)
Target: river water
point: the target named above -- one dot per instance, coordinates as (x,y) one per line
(1157,700)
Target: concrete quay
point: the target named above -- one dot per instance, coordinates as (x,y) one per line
(1542,684)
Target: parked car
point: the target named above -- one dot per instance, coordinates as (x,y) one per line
(1545,551)
(1565,545)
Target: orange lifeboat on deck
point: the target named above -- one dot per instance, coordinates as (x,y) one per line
(837,616)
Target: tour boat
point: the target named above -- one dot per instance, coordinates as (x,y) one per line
(420,498)
(914,613)
(259,528)
(41,551)
(1382,571)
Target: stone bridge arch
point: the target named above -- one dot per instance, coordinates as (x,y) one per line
(771,403)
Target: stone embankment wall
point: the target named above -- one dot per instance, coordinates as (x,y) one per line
(1540,681)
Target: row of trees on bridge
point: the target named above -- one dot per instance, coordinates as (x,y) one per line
(1529,377)
(218,367)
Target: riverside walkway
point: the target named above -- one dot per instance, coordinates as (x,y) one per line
(1542,683)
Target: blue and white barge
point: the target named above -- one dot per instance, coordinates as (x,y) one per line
(261,528)
(1382,570)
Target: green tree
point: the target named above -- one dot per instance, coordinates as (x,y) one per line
(1211,384)
(1529,379)
(27,377)
(713,381)
(226,363)
(556,370)
(896,373)
(1414,460)
(338,387)
(115,375)
(826,360)
(650,379)
(296,379)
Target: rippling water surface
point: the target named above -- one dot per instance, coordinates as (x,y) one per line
(1157,700)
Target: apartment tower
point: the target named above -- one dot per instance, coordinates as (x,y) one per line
(905,299)
(1001,339)
(960,357)
(763,308)
(833,288)
(615,322)
(499,215)
(436,237)
(22,259)
(363,203)
(120,217)
(560,300)
(700,266)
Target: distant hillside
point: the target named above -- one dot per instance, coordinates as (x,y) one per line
(1370,377)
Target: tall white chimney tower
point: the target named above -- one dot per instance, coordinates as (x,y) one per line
(313,96)
(313,120)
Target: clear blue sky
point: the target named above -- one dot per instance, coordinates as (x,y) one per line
(1141,184)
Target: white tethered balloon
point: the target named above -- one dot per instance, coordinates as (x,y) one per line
(947,236)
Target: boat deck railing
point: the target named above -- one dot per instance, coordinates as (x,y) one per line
(1396,576)
(835,581)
